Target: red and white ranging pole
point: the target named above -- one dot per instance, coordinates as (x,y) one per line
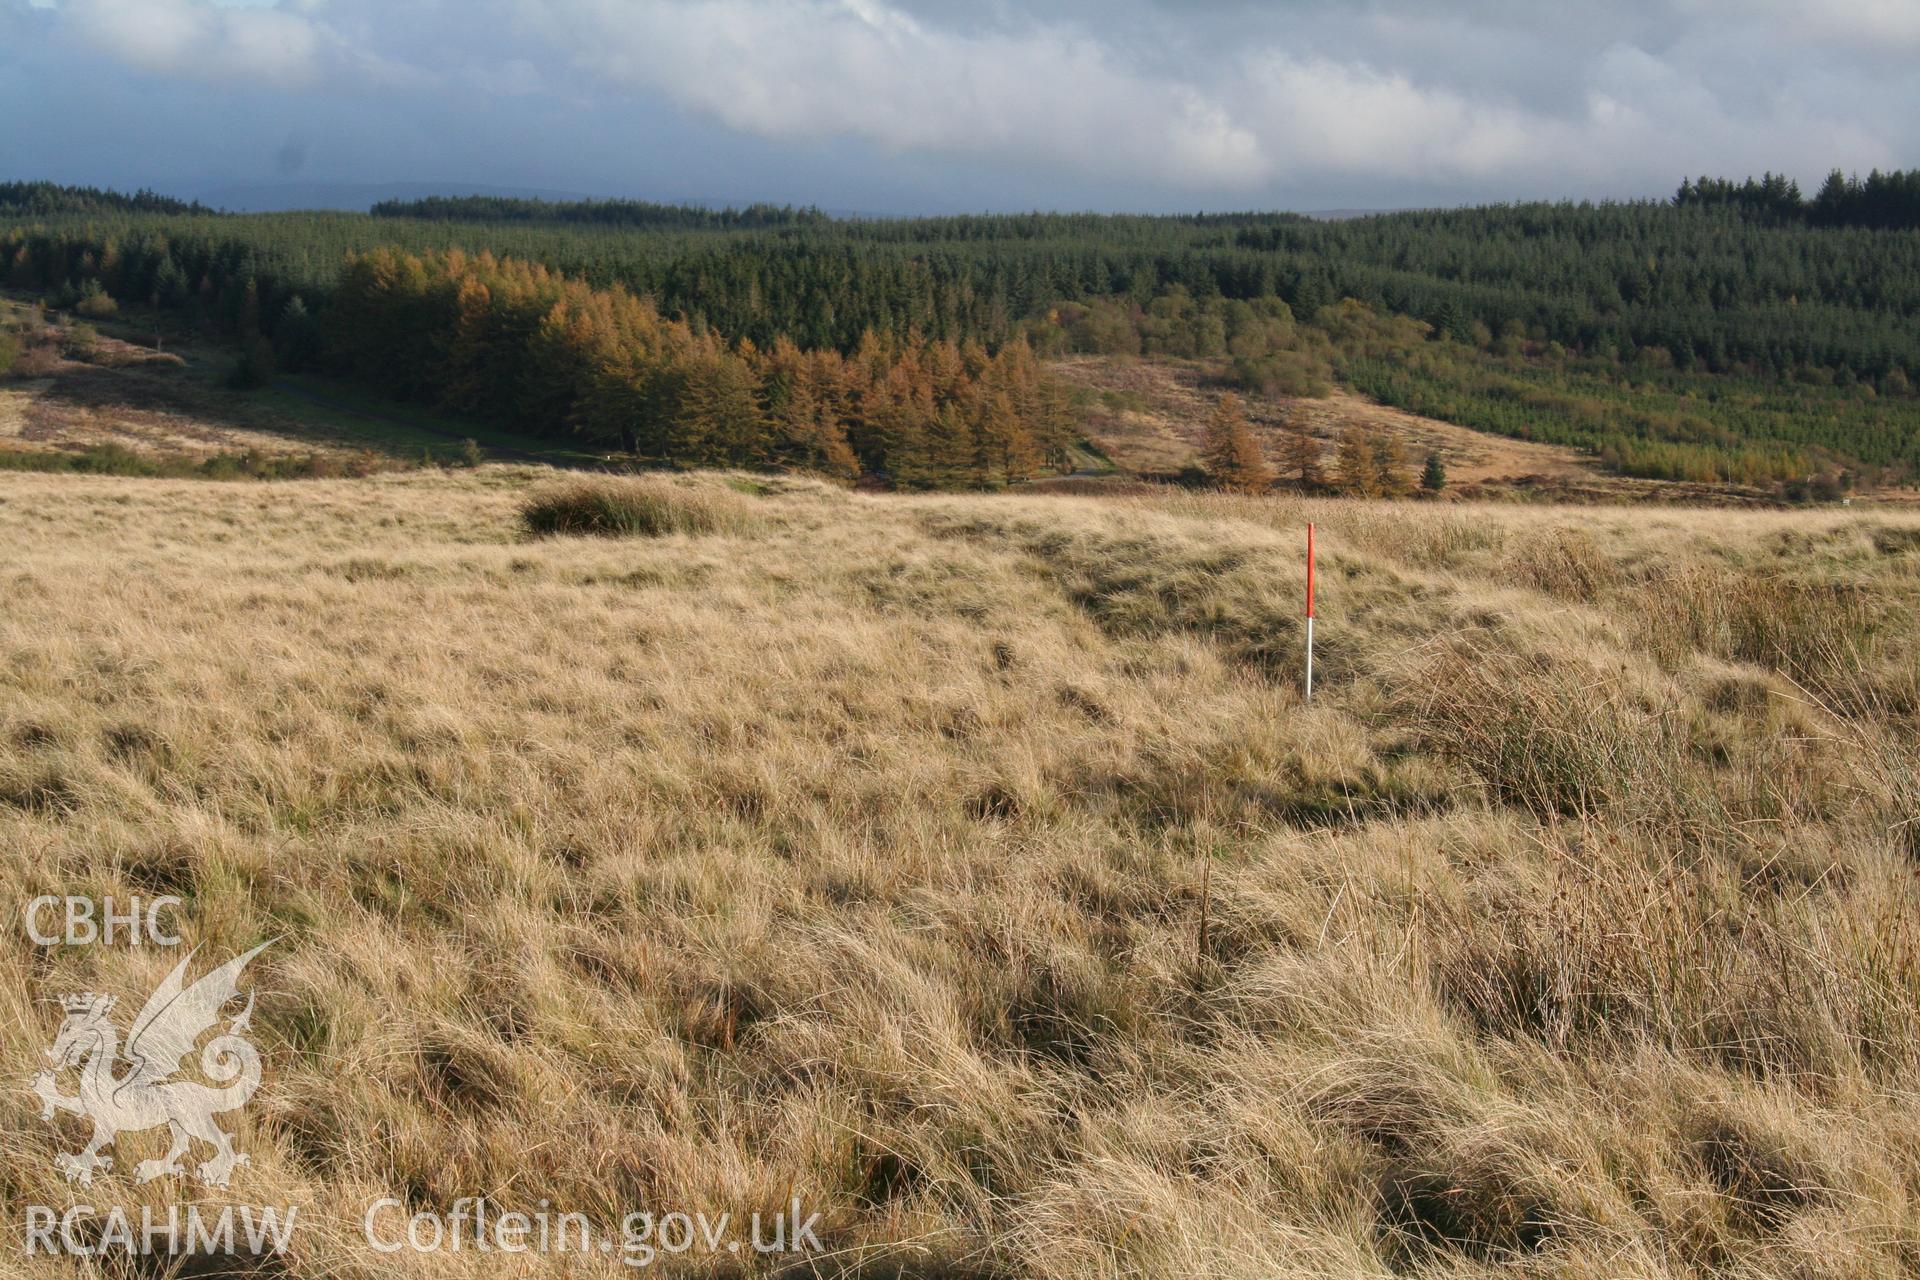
(1309,613)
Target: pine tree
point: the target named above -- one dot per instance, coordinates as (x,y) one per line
(1300,454)
(615,404)
(170,287)
(946,370)
(1231,455)
(1389,464)
(891,422)
(469,362)
(951,452)
(248,320)
(254,367)
(836,415)
(720,422)
(1007,451)
(296,339)
(806,432)
(1054,427)
(1355,472)
(1434,477)
(556,374)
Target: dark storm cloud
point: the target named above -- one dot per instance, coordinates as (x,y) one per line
(891,104)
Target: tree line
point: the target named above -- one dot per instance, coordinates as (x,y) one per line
(41,199)
(609,213)
(1879,200)
(1707,281)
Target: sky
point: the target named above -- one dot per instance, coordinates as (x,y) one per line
(917,106)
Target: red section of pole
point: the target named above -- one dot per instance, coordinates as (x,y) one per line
(1309,571)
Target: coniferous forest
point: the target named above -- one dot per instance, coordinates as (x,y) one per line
(1737,332)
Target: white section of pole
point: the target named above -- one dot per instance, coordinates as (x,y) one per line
(1309,659)
(1310,568)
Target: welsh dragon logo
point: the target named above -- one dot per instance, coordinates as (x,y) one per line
(150,1093)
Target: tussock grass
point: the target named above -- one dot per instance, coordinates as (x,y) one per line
(1565,563)
(971,869)
(1807,627)
(1560,739)
(635,506)
(1625,943)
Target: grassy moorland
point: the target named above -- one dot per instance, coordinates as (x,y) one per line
(970,868)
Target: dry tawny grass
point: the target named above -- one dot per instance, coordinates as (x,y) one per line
(858,850)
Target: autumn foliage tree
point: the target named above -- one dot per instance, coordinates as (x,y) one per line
(1230,453)
(1355,470)
(524,346)
(1300,455)
(1390,464)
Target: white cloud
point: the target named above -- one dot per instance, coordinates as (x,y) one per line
(1323,115)
(864,69)
(1879,26)
(1050,94)
(205,41)
(1227,120)
(1232,102)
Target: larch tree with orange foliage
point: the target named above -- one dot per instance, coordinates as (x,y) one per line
(1230,453)
(528,347)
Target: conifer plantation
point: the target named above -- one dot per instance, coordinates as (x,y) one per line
(518,344)
(1734,334)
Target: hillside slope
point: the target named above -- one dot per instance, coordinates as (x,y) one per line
(970,869)
(143,389)
(1708,342)
(1148,416)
